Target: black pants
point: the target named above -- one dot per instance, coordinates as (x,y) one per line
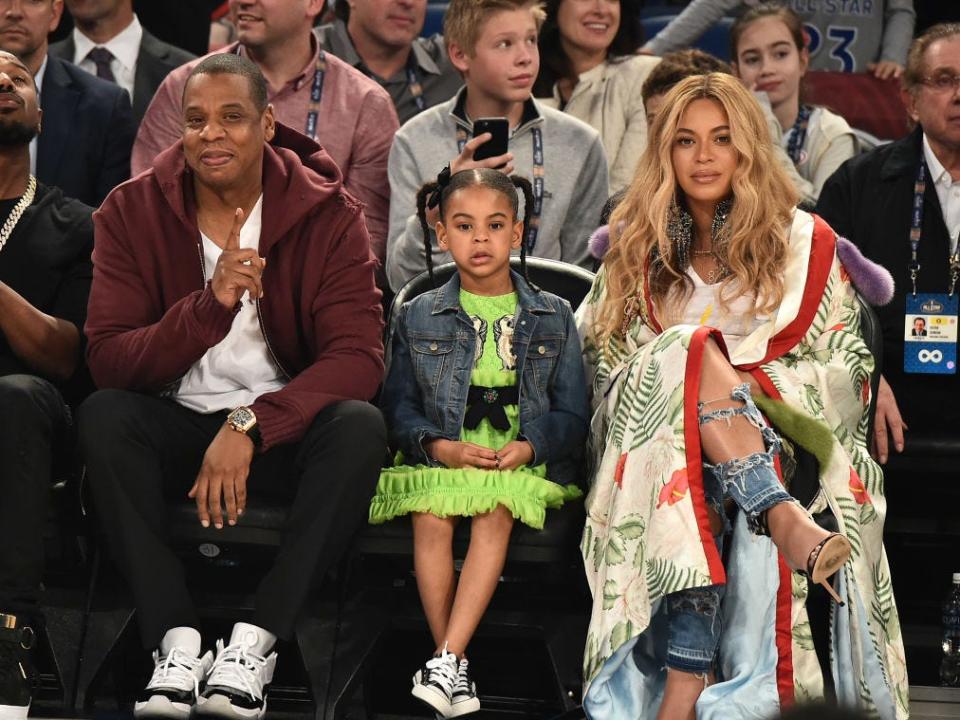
(143,451)
(34,425)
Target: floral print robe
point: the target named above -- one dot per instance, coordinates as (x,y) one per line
(647,532)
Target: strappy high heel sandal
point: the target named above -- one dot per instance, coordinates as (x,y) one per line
(829,555)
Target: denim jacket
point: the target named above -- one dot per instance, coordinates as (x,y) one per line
(433,350)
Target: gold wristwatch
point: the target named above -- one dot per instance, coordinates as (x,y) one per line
(244,421)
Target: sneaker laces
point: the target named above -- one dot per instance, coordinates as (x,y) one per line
(175,670)
(237,667)
(442,671)
(464,683)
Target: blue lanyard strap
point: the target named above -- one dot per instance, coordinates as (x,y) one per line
(316,93)
(798,134)
(916,222)
(532,223)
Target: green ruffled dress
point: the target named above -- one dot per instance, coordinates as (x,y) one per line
(462,492)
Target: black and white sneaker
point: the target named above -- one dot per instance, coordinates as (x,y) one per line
(16,672)
(174,686)
(433,684)
(463,699)
(238,682)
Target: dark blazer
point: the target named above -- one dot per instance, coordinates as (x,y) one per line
(155,61)
(869,200)
(88,131)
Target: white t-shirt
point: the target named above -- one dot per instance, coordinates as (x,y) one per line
(703,308)
(238,369)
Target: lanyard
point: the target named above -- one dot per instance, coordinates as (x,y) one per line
(916,225)
(316,93)
(532,223)
(416,88)
(798,134)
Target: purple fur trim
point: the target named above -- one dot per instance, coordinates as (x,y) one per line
(599,242)
(873,281)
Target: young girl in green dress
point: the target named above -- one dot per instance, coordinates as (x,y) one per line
(485,400)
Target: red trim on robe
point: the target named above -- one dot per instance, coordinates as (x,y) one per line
(783,627)
(822,251)
(691,438)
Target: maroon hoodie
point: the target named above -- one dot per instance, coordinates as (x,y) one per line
(152,315)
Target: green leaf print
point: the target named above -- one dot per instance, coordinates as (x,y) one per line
(881,608)
(640,554)
(631,528)
(610,594)
(592,659)
(597,552)
(649,416)
(801,694)
(803,636)
(586,541)
(851,523)
(798,586)
(811,400)
(903,700)
(867,514)
(665,577)
(615,553)
(675,406)
(621,632)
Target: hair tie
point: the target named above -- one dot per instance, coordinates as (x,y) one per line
(443,179)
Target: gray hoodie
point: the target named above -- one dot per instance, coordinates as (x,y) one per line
(575,185)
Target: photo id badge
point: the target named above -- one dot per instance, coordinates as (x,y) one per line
(930,334)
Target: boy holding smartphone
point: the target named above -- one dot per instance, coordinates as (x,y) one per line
(493,43)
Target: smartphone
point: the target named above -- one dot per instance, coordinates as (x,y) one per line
(499,128)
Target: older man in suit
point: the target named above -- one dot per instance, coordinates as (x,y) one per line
(88,127)
(109,42)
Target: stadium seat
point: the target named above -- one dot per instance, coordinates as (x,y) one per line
(867,103)
(716,40)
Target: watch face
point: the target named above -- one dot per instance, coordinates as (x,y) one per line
(242,418)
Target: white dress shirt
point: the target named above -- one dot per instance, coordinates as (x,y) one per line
(38,80)
(948,192)
(125,47)
(239,368)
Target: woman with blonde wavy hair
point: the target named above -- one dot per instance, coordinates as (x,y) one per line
(719,299)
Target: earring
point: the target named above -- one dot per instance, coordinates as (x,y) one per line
(680,233)
(718,231)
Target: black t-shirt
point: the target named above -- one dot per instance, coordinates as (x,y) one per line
(47,261)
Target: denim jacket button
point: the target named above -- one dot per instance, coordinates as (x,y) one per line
(433,346)
(541,349)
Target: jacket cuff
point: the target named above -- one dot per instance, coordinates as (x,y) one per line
(277,426)
(425,434)
(213,319)
(539,444)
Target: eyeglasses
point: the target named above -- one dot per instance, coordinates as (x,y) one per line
(942,82)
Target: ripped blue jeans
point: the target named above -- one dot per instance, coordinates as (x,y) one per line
(693,614)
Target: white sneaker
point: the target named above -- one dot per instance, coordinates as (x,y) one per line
(237,685)
(174,686)
(463,699)
(433,684)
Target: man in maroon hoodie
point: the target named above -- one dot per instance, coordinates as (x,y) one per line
(235,326)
